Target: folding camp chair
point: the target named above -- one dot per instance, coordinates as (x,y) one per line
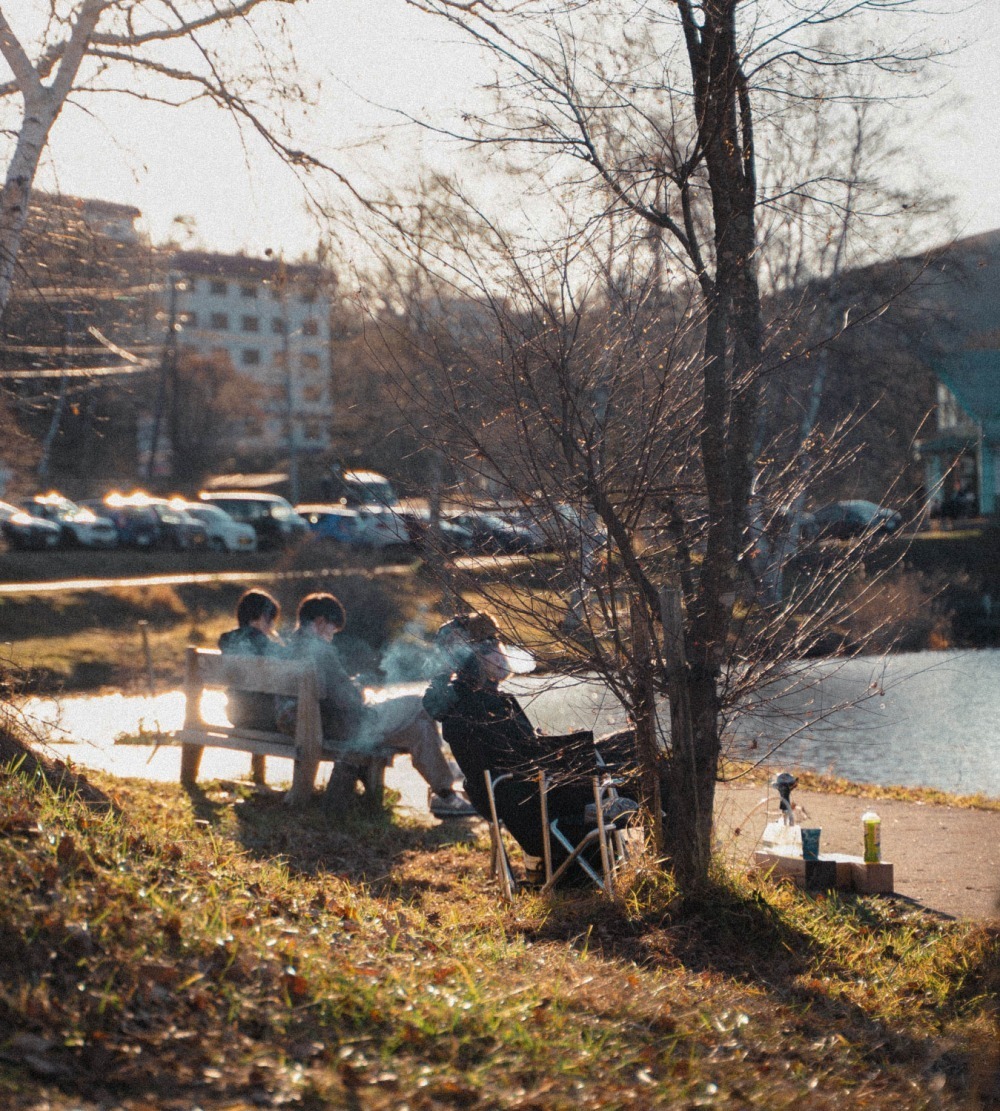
(610,836)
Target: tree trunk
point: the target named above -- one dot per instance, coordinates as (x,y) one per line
(688,776)
(39,115)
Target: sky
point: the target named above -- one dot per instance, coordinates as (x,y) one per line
(366,53)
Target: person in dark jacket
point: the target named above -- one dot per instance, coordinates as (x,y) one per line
(257,614)
(486,728)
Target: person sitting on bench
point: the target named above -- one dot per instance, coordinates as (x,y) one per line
(487,729)
(355,729)
(257,614)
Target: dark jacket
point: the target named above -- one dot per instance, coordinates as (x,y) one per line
(250,709)
(486,728)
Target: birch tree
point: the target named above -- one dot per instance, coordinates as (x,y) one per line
(63,52)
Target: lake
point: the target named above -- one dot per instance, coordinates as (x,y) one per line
(927,719)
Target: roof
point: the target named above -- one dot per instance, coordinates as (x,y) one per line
(974,378)
(231,482)
(244,267)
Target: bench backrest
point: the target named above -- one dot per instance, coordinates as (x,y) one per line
(208,667)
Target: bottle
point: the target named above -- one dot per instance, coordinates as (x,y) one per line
(871,825)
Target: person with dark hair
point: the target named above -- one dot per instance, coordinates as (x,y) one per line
(257,614)
(486,728)
(355,729)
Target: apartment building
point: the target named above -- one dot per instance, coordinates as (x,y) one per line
(273,321)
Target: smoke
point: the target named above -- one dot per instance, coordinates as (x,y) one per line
(412,657)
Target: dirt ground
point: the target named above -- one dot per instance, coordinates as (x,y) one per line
(944,858)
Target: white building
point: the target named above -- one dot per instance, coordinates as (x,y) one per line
(273,321)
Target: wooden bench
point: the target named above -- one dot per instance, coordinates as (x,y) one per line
(207,668)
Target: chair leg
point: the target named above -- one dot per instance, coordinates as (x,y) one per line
(499,860)
(373,781)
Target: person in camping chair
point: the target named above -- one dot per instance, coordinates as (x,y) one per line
(487,729)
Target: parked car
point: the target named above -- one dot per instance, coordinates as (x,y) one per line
(363,488)
(451,537)
(492,534)
(21,530)
(331,522)
(224,533)
(137,525)
(360,527)
(78,527)
(844,519)
(178,529)
(274,520)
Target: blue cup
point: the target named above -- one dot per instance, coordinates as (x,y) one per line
(810,843)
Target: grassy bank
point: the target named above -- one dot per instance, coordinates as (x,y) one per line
(87,639)
(166,950)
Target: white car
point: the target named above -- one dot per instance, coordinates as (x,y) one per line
(224,534)
(79,527)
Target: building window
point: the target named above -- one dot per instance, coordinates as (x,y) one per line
(312,395)
(310,360)
(219,321)
(278,325)
(250,356)
(248,291)
(250,324)
(217,288)
(310,327)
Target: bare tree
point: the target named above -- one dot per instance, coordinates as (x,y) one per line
(661,107)
(157,50)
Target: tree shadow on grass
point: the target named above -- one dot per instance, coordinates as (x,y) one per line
(358,845)
(737,934)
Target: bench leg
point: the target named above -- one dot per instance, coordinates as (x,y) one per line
(258,769)
(190,763)
(303,781)
(373,778)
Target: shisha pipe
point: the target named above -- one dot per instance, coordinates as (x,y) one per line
(783,784)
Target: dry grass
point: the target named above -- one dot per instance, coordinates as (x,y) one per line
(166,950)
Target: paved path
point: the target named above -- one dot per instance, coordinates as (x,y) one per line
(945,859)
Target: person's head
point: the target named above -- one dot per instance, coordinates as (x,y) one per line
(257,609)
(323,614)
(473,646)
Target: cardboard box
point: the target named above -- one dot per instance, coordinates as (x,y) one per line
(872,879)
(832,870)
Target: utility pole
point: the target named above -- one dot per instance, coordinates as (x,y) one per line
(286,343)
(168,363)
(60,406)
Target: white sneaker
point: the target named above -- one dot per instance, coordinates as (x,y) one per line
(456,805)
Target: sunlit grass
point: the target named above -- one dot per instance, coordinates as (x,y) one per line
(210,946)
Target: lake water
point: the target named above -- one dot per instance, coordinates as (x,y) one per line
(925,719)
